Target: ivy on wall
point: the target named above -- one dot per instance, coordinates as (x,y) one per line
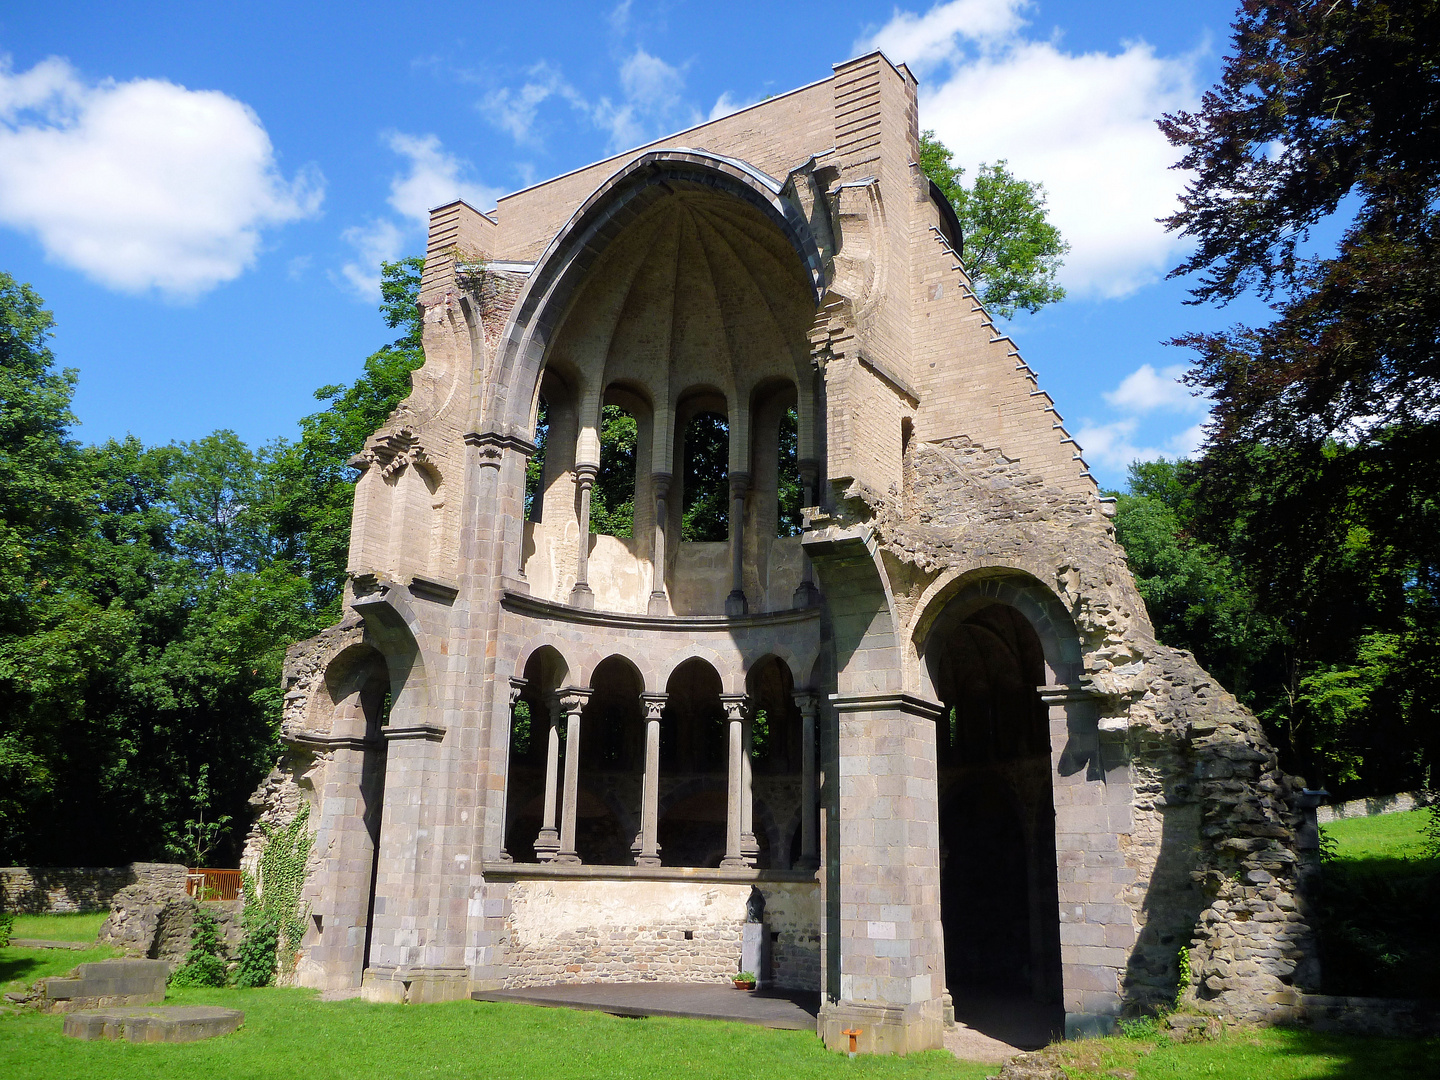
(274,912)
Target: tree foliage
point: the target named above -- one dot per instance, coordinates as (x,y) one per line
(147,597)
(1011,251)
(1318,478)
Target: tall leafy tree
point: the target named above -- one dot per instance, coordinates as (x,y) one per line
(1012,252)
(1326,421)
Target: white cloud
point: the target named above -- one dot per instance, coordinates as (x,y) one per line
(1114,445)
(1145,389)
(141,184)
(1083,124)
(515,111)
(435,177)
(379,241)
(924,41)
(652,104)
(431,177)
(726,104)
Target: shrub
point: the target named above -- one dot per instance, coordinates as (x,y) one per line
(204,963)
(7,924)
(256,955)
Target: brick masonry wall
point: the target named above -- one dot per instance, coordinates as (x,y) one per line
(39,890)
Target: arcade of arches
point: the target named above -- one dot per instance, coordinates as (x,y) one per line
(725,550)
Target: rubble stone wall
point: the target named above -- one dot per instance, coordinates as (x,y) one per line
(1212,852)
(40,890)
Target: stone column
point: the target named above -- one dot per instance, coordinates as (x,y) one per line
(649,844)
(572,702)
(517,687)
(892,952)
(806,594)
(809,706)
(581,596)
(734,815)
(659,601)
(749,846)
(547,844)
(735,603)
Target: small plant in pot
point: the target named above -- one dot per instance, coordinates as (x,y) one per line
(745,980)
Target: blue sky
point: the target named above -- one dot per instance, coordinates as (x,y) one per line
(201,193)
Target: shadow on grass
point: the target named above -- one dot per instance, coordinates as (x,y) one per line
(17,968)
(1354,1057)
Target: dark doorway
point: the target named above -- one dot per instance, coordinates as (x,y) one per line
(999,899)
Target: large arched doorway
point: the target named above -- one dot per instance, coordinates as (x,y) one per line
(998,884)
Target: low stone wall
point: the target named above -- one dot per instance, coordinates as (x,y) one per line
(40,890)
(1373,806)
(1395,1017)
(631,930)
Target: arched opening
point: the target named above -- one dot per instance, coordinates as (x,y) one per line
(612,763)
(705,507)
(531,717)
(999,898)
(693,768)
(776,759)
(535,467)
(612,503)
(789,494)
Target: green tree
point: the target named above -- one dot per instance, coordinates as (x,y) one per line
(312,478)
(1011,251)
(1318,474)
(612,500)
(705,508)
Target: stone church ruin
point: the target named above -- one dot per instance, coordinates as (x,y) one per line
(933,728)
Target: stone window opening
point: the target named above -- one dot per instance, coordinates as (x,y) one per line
(704,507)
(535,466)
(612,504)
(693,768)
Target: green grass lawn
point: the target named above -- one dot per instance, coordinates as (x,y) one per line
(21,967)
(1385,836)
(289,1033)
(1376,913)
(59,927)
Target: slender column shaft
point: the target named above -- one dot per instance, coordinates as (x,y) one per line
(734,819)
(735,603)
(809,850)
(547,844)
(581,596)
(572,701)
(517,687)
(806,594)
(749,846)
(649,853)
(659,602)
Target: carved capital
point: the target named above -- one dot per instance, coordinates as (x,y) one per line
(654,705)
(573,699)
(739,484)
(808,702)
(517,687)
(585,474)
(736,705)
